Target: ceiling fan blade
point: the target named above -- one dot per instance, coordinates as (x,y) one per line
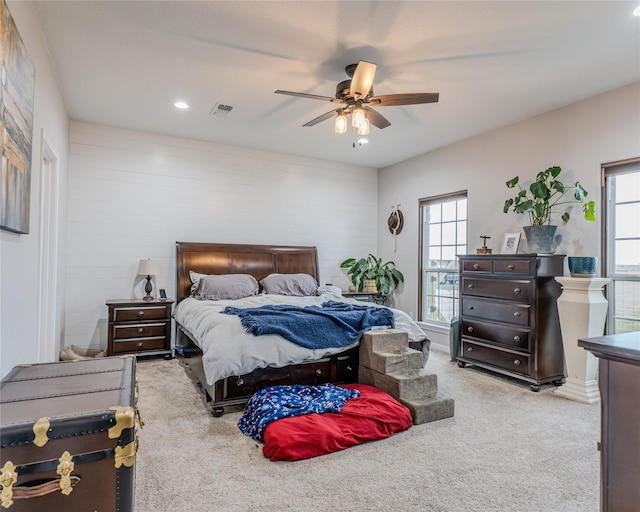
(395,100)
(376,118)
(323,117)
(362,80)
(311,96)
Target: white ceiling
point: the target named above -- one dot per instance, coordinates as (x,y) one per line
(493,63)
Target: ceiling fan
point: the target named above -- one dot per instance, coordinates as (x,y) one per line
(355,97)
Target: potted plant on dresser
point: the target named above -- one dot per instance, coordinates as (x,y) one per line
(371,275)
(542,201)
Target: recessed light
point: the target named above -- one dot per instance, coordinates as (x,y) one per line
(180,104)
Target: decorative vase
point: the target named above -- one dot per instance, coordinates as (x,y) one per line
(583,266)
(370,286)
(540,238)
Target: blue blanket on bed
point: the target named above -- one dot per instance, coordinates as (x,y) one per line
(277,402)
(335,324)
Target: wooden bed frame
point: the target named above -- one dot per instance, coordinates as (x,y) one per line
(259,261)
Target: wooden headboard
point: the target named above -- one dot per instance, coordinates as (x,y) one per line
(257,260)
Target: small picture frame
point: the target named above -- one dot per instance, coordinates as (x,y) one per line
(163,294)
(510,243)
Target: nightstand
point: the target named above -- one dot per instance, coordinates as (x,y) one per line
(139,327)
(376,297)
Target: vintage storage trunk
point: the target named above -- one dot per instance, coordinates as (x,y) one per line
(69,436)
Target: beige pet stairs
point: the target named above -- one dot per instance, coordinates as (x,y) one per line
(387,362)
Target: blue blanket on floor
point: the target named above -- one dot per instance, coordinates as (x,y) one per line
(335,324)
(275,402)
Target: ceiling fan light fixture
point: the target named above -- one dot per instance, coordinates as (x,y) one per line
(363,129)
(341,122)
(357,117)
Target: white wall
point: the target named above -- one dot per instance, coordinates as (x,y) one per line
(19,254)
(132,195)
(579,138)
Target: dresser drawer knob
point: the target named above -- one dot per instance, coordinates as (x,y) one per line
(517,314)
(469,329)
(141,313)
(349,369)
(476,266)
(318,372)
(470,349)
(140,345)
(510,267)
(516,362)
(140,330)
(470,308)
(471,286)
(517,291)
(516,338)
(239,382)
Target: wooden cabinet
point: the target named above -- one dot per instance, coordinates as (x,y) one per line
(509,316)
(619,382)
(139,327)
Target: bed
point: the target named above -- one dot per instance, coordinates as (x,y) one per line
(230,365)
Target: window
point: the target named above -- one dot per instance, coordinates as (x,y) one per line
(621,244)
(443,235)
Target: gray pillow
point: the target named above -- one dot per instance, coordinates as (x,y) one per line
(298,285)
(226,286)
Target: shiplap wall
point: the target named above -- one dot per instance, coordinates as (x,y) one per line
(132,195)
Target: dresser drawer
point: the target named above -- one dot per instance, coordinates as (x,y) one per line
(515,266)
(516,363)
(138,344)
(139,330)
(509,336)
(517,314)
(477,265)
(498,288)
(130,314)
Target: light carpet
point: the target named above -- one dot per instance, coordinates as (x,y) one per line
(505,449)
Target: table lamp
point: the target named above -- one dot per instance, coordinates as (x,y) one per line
(148,268)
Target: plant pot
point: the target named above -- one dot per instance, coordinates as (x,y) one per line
(370,286)
(540,238)
(583,266)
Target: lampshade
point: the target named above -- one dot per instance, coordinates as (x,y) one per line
(357,117)
(147,268)
(363,129)
(341,122)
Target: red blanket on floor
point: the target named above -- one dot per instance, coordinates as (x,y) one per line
(374,415)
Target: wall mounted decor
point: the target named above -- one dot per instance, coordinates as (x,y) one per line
(395,223)
(17,97)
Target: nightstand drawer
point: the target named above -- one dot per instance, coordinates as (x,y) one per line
(498,333)
(139,330)
(127,314)
(138,344)
(517,363)
(498,288)
(500,312)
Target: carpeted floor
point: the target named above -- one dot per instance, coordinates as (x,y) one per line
(506,449)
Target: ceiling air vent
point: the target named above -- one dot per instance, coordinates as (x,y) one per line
(221,110)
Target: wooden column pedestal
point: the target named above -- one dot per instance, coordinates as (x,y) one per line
(583,311)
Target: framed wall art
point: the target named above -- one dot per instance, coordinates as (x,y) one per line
(510,243)
(16,126)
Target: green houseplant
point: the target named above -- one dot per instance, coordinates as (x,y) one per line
(385,275)
(541,201)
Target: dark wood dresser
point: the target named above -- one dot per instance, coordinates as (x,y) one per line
(139,327)
(619,382)
(509,319)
